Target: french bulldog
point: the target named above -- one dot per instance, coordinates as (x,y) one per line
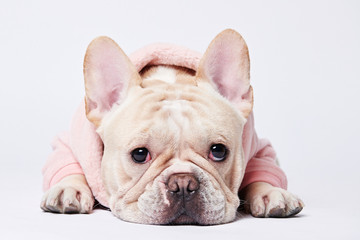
(173,139)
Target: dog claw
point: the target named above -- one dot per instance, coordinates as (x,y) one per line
(71,209)
(53,209)
(277,212)
(295,211)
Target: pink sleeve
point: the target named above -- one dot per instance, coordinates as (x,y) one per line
(61,162)
(262,163)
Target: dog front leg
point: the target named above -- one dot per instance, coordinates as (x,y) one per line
(264,200)
(71,195)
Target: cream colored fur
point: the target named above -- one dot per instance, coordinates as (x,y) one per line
(177,122)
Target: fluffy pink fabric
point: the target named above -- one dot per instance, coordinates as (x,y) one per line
(80,150)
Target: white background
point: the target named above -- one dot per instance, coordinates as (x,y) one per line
(305,69)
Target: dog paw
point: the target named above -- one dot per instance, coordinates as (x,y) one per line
(264,200)
(70,195)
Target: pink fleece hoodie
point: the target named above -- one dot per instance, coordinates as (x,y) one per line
(80,150)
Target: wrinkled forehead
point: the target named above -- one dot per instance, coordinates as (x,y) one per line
(176,112)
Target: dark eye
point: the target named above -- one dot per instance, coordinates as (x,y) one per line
(218,152)
(140,155)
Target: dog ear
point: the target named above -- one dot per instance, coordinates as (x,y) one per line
(226,65)
(108,73)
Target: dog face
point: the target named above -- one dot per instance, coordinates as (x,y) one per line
(172,137)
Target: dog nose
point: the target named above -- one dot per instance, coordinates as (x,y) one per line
(183,184)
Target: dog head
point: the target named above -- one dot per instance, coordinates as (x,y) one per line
(172,136)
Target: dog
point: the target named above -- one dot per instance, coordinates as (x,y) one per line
(178,144)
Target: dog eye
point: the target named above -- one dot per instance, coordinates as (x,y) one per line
(140,155)
(218,152)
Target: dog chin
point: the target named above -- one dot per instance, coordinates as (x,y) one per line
(183,219)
